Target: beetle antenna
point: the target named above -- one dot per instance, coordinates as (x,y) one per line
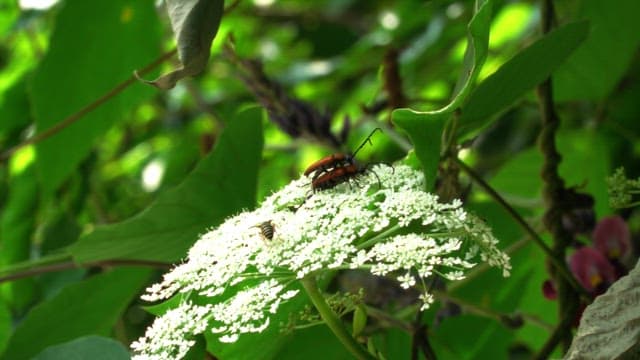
(368,139)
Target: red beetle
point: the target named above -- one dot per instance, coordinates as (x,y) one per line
(325,166)
(338,175)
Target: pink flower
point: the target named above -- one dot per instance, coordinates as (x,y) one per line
(592,270)
(612,237)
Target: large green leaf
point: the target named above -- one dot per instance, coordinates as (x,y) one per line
(89,307)
(393,343)
(425,132)
(316,343)
(223,183)
(95,45)
(520,74)
(88,347)
(468,337)
(520,176)
(600,62)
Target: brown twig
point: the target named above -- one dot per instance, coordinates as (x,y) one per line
(232,6)
(392,80)
(554,192)
(66,265)
(87,109)
(511,320)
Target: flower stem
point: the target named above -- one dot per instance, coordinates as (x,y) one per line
(332,321)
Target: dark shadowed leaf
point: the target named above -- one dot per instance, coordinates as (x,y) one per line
(88,307)
(223,183)
(305,344)
(17,225)
(14,107)
(598,64)
(6,327)
(195,24)
(88,347)
(517,76)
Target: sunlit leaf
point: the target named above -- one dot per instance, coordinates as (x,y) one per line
(520,74)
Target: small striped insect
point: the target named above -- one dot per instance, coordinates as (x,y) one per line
(335,161)
(266,229)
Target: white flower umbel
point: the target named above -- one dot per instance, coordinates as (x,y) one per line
(382,221)
(170,337)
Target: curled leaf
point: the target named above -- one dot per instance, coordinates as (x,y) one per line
(195,24)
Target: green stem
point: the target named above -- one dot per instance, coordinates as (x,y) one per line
(379,237)
(332,321)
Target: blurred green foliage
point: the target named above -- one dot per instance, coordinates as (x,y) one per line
(136,180)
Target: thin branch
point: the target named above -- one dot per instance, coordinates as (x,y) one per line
(66,265)
(555,196)
(559,265)
(232,6)
(420,339)
(556,337)
(507,319)
(87,109)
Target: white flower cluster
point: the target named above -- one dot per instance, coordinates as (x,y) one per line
(382,221)
(175,331)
